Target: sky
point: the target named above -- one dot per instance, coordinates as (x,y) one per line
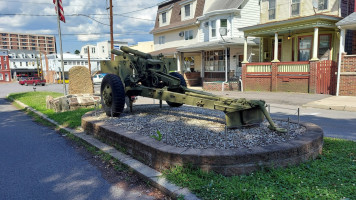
(87,21)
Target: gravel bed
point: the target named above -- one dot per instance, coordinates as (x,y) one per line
(198,128)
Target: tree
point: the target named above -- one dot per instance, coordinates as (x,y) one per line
(77,51)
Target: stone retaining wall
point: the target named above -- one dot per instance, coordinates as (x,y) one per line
(161,156)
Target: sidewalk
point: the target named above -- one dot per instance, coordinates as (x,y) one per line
(323,101)
(344,103)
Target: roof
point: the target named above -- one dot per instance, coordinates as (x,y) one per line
(348,22)
(165,52)
(224,5)
(176,22)
(218,44)
(294,24)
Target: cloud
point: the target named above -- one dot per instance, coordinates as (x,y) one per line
(129,29)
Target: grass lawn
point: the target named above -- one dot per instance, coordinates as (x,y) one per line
(37,100)
(331,176)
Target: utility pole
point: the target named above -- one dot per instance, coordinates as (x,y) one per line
(111,31)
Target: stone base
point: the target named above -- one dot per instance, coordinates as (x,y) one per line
(72,102)
(227,162)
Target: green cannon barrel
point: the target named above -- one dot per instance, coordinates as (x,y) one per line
(135,52)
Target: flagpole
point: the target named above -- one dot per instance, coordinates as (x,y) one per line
(60,44)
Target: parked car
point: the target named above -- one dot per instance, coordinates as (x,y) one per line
(98,78)
(33,81)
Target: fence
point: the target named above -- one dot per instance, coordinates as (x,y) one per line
(305,77)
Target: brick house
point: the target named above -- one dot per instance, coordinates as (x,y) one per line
(299,46)
(346,84)
(5,72)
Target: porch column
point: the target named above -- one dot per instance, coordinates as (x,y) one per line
(245,51)
(341,50)
(226,67)
(275,59)
(315,44)
(178,61)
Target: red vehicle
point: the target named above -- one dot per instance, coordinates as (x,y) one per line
(33,81)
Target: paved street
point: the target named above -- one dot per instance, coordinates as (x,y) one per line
(37,163)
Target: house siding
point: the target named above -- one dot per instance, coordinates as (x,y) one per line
(283,9)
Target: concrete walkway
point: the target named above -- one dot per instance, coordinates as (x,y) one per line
(323,101)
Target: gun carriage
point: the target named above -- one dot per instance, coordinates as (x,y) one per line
(134,73)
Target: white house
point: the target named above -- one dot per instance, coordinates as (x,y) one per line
(102,50)
(204,35)
(23,63)
(220,43)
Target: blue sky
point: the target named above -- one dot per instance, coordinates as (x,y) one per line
(19,16)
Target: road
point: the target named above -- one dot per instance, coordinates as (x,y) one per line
(38,163)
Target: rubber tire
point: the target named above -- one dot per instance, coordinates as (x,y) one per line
(34,84)
(26,84)
(117,94)
(182,83)
(43,84)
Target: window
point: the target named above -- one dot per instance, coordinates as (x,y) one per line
(295,7)
(223,23)
(26,64)
(85,50)
(305,45)
(1,77)
(324,46)
(162,39)
(322,4)
(5,65)
(188,35)
(213,28)
(215,61)
(4,58)
(103,49)
(0,65)
(187,10)
(272,9)
(20,64)
(164,17)
(92,50)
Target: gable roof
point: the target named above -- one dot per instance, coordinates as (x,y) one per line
(224,5)
(176,21)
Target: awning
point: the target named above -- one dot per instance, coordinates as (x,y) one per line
(348,22)
(219,44)
(165,52)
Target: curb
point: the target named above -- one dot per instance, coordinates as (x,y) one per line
(139,168)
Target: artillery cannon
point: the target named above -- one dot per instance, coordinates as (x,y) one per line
(134,73)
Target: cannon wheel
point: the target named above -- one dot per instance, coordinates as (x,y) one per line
(112,95)
(182,83)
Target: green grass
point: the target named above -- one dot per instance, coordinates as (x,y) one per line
(37,100)
(331,176)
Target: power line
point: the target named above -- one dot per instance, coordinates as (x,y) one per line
(73,15)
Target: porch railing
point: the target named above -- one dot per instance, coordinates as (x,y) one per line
(293,67)
(259,67)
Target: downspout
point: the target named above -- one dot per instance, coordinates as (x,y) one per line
(341,50)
